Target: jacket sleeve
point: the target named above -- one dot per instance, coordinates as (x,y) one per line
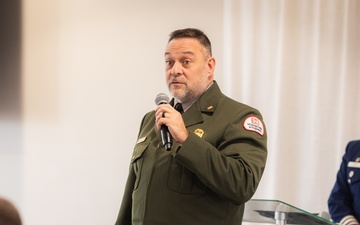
(340,201)
(124,215)
(232,164)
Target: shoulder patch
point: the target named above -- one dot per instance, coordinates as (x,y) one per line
(254,124)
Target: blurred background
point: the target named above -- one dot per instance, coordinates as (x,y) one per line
(77,76)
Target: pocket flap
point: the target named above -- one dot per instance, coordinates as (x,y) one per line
(139,149)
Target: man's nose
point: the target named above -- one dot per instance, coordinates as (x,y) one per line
(177,69)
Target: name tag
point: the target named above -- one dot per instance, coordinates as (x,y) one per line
(354,164)
(141,140)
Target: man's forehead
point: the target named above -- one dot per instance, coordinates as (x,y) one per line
(183,46)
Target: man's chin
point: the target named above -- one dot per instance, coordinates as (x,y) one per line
(178,93)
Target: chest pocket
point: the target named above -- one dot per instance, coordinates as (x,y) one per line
(137,160)
(182,180)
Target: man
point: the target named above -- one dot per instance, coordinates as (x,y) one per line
(218,154)
(344,200)
(9,215)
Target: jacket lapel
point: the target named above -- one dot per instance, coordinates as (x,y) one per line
(206,104)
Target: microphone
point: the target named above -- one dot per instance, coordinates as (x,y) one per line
(165,134)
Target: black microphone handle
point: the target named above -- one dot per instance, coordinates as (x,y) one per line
(166,137)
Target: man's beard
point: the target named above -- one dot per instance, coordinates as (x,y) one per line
(180,94)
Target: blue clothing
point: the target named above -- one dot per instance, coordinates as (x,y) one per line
(344,199)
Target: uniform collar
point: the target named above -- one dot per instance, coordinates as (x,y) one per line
(206,103)
(186,105)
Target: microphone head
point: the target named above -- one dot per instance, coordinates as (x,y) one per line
(161,99)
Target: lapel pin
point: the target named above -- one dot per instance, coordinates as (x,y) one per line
(199,132)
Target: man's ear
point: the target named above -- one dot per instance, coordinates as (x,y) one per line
(211,63)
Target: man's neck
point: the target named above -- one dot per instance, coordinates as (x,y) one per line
(187,104)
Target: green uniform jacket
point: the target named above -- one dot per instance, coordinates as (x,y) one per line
(208,179)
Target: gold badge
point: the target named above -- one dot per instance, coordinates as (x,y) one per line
(210,107)
(199,132)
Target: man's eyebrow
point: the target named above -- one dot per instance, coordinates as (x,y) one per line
(184,53)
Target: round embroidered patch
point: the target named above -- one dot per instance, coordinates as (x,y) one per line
(252,123)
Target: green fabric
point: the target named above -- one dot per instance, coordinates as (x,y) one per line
(208,179)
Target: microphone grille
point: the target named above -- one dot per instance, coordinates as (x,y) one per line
(161,99)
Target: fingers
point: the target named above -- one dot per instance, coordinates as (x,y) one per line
(164,110)
(163,113)
(167,115)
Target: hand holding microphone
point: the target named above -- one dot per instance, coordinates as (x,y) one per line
(170,122)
